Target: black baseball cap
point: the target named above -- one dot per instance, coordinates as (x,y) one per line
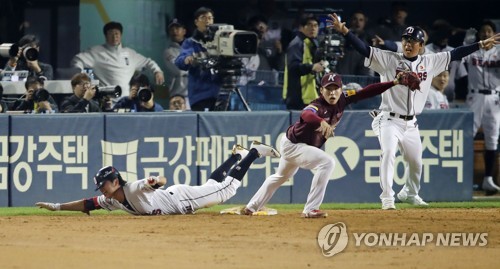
(175,22)
(107,173)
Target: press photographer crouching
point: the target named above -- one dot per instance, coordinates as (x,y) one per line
(36,99)
(141,97)
(82,100)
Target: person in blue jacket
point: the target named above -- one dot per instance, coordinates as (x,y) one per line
(203,86)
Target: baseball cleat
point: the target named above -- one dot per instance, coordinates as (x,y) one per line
(489,186)
(246,211)
(238,149)
(314,214)
(264,150)
(416,200)
(388,205)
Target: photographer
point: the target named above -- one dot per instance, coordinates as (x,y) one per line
(36,99)
(35,67)
(141,97)
(299,87)
(82,99)
(203,87)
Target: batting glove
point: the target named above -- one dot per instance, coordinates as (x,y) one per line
(49,206)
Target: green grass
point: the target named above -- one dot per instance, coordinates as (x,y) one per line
(34,211)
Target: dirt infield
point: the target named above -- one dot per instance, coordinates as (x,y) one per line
(208,240)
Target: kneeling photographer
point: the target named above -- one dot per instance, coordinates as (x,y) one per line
(36,99)
(82,100)
(141,97)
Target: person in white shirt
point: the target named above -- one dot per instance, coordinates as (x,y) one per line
(114,64)
(436,98)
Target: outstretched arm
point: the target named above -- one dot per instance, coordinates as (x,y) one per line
(69,206)
(340,27)
(460,52)
(378,88)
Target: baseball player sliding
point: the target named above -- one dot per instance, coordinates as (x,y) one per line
(144,197)
(483,99)
(397,122)
(301,146)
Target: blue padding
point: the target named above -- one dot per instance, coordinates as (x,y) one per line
(143,144)
(4,159)
(53,157)
(220,131)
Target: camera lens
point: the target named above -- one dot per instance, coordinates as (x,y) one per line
(31,54)
(41,95)
(144,94)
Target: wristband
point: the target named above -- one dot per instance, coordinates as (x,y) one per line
(481,44)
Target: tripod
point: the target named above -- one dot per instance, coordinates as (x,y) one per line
(224,98)
(229,70)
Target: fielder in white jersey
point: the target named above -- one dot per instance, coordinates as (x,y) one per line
(145,196)
(396,126)
(114,64)
(483,100)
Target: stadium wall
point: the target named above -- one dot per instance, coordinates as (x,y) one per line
(53,157)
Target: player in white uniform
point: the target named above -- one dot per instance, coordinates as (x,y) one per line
(483,99)
(144,197)
(436,98)
(396,126)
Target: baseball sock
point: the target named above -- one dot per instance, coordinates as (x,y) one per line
(220,173)
(489,161)
(241,168)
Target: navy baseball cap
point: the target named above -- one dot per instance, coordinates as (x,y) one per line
(175,22)
(331,78)
(107,173)
(414,32)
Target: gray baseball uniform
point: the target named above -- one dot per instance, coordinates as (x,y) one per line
(142,199)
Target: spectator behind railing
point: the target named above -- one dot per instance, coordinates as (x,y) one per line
(36,99)
(113,63)
(352,63)
(141,97)
(82,99)
(299,87)
(177,79)
(35,67)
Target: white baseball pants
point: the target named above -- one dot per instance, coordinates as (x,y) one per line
(394,133)
(293,157)
(486,108)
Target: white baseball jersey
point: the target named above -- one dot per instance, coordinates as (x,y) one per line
(484,93)
(436,100)
(142,199)
(399,99)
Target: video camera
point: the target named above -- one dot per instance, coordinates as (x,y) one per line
(224,40)
(331,44)
(8,50)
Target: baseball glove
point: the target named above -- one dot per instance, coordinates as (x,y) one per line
(410,80)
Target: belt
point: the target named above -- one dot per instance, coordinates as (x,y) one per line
(404,117)
(485,91)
